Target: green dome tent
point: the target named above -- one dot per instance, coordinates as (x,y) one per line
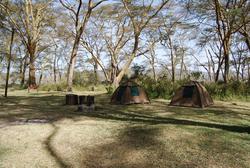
(193,94)
(129,93)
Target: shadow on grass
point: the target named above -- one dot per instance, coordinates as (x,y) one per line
(214,110)
(135,146)
(138,117)
(49,147)
(52,108)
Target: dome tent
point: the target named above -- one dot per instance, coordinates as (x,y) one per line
(193,94)
(129,92)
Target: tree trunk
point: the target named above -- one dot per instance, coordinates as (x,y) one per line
(172,60)
(242,73)
(9,62)
(182,65)
(117,81)
(60,75)
(238,69)
(95,72)
(24,71)
(173,67)
(40,78)
(119,77)
(237,75)
(152,62)
(113,70)
(154,73)
(246,37)
(124,70)
(227,61)
(72,62)
(209,68)
(247,41)
(32,71)
(75,49)
(248,73)
(54,68)
(218,70)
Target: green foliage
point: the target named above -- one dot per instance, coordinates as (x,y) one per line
(89,87)
(162,88)
(84,79)
(109,89)
(196,75)
(79,78)
(138,70)
(232,90)
(53,87)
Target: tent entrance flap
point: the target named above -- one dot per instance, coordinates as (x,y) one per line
(134,91)
(188,92)
(120,93)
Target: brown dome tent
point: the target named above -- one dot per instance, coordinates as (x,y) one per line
(129,93)
(193,94)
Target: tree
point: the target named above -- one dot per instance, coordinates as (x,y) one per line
(9,62)
(151,57)
(140,15)
(81,21)
(28,18)
(225,18)
(173,33)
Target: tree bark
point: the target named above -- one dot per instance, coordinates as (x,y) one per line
(226,48)
(32,70)
(154,73)
(40,78)
(172,60)
(248,71)
(9,63)
(95,72)
(24,71)
(73,62)
(74,53)
(80,27)
(54,69)
(182,65)
(217,74)
(119,77)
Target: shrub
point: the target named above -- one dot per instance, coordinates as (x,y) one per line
(163,88)
(232,90)
(109,89)
(53,87)
(61,86)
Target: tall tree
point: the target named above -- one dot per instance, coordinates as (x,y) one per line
(9,58)
(81,21)
(28,18)
(140,14)
(223,17)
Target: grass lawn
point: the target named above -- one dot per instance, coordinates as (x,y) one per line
(37,130)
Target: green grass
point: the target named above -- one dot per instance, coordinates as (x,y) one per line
(38,130)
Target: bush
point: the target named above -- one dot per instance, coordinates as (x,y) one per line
(109,89)
(160,89)
(233,90)
(164,88)
(53,87)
